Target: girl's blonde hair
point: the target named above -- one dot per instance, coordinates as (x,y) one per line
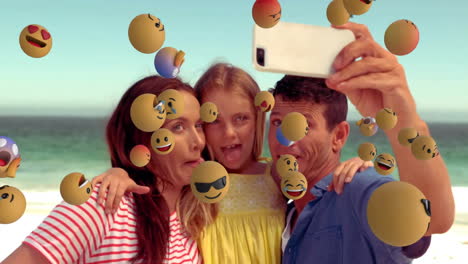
(233,79)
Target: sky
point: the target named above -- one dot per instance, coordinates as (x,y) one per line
(92,62)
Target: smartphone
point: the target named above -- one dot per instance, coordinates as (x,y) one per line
(298,49)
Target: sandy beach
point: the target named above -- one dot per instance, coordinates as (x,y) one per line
(448,248)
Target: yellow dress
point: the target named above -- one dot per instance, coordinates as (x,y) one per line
(249,225)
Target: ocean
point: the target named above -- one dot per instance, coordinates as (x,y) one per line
(52,147)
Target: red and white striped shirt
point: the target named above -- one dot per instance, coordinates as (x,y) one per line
(85,234)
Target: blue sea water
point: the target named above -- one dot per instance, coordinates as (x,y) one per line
(52,147)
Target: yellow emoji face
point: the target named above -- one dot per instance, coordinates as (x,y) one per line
(264,101)
(208,112)
(12,204)
(401,37)
(146,33)
(294,126)
(386,119)
(162,141)
(367,151)
(336,13)
(367,126)
(294,185)
(75,189)
(147,113)
(35,41)
(384,164)
(173,102)
(357,7)
(424,148)
(266,13)
(285,164)
(398,213)
(406,136)
(209,182)
(140,155)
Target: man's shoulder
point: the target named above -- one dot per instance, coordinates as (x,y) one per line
(367,179)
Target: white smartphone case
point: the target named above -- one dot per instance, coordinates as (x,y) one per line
(297,49)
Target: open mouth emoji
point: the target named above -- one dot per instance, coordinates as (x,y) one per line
(35,42)
(264,104)
(4,158)
(164,148)
(294,193)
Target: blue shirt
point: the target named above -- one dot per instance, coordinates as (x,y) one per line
(333,229)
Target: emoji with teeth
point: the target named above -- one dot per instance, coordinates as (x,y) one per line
(173,103)
(209,182)
(367,151)
(147,113)
(140,155)
(208,112)
(168,62)
(401,37)
(367,126)
(294,185)
(398,213)
(12,204)
(424,148)
(75,189)
(266,13)
(357,7)
(336,13)
(285,164)
(9,157)
(264,101)
(162,141)
(146,33)
(406,136)
(294,126)
(386,119)
(384,164)
(35,41)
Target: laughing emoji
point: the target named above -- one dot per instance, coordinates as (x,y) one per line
(35,41)
(384,164)
(285,164)
(75,189)
(209,182)
(424,148)
(162,141)
(264,101)
(294,185)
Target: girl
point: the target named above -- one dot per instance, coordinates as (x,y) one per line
(145,228)
(251,216)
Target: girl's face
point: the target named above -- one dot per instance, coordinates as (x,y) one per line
(189,140)
(231,136)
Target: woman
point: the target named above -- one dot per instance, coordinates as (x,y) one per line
(146,228)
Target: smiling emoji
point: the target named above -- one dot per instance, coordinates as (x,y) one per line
(146,33)
(75,189)
(357,7)
(147,113)
(173,102)
(209,182)
(424,148)
(294,185)
(264,101)
(285,164)
(406,136)
(266,13)
(208,112)
(367,126)
(401,37)
(12,204)
(35,41)
(162,141)
(140,155)
(386,119)
(384,164)
(367,151)
(398,213)
(294,126)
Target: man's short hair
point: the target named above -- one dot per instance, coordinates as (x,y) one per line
(313,90)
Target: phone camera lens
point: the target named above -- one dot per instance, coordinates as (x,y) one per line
(261,56)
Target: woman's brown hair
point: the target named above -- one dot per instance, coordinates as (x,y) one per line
(233,79)
(152,210)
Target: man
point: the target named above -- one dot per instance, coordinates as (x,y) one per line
(329,227)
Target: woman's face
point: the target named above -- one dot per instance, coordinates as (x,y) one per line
(177,166)
(231,136)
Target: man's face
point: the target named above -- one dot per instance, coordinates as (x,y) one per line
(313,151)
